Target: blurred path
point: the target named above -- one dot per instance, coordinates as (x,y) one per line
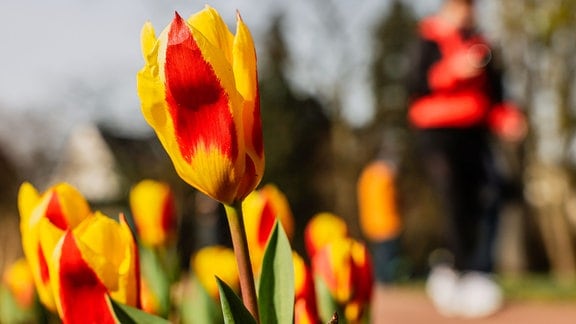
(411,306)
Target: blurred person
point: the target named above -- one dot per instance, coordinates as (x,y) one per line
(379,217)
(456,103)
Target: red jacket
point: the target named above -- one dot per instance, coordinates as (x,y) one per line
(445,99)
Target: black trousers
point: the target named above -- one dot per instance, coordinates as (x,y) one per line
(461,170)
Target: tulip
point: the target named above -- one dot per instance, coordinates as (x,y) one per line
(152,205)
(199,92)
(215,261)
(261,210)
(91,263)
(18,278)
(345,267)
(305,309)
(321,230)
(61,207)
(378,215)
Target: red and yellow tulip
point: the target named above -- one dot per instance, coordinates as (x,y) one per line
(20,282)
(305,309)
(199,91)
(91,263)
(47,216)
(153,209)
(261,210)
(323,228)
(78,259)
(212,261)
(345,266)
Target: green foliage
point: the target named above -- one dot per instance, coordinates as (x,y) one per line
(156,276)
(326,304)
(198,307)
(11,312)
(233,309)
(276,288)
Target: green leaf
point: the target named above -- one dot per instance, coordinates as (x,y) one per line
(326,303)
(156,277)
(233,309)
(130,315)
(197,306)
(276,288)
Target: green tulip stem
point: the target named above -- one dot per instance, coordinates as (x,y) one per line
(240,244)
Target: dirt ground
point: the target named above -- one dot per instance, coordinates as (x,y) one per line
(411,306)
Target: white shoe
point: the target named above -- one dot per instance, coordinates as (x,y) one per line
(441,287)
(478,295)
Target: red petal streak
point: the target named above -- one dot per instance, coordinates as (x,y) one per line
(82,294)
(266,223)
(168,214)
(197,102)
(44,272)
(54,212)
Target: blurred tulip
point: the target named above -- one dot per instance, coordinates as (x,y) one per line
(62,207)
(20,282)
(215,261)
(321,229)
(91,263)
(199,91)
(379,219)
(153,209)
(261,210)
(345,267)
(305,309)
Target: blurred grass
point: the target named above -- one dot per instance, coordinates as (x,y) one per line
(538,287)
(528,287)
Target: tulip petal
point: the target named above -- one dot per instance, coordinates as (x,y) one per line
(267,221)
(70,207)
(82,294)
(31,215)
(129,271)
(214,262)
(246,77)
(210,24)
(323,228)
(198,103)
(99,239)
(148,43)
(153,210)
(28,198)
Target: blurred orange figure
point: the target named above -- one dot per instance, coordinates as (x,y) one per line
(379,219)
